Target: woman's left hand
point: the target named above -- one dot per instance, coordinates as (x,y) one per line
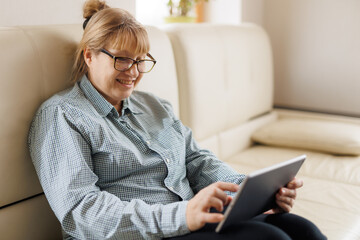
(286,196)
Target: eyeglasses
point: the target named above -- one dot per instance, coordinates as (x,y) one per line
(123,64)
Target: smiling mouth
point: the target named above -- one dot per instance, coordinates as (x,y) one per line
(127,82)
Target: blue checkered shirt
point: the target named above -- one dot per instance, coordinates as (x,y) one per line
(119,176)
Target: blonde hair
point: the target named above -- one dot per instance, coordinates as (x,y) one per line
(107,27)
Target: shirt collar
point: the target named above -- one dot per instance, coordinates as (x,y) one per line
(128,103)
(102,106)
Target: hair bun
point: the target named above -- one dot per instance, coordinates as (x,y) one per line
(93,6)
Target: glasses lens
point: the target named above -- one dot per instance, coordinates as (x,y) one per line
(145,66)
(123,64)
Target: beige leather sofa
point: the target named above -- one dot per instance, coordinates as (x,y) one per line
(220,82)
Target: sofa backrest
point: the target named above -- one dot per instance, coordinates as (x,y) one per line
(225,75)
(35,62)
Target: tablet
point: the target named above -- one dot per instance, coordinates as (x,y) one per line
(257,192)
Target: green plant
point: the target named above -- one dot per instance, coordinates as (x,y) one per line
(181,7)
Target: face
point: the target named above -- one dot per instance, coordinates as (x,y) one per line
(114,85)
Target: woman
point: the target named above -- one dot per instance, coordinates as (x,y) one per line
(116,163)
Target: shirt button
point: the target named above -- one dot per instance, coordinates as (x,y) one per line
(148,142)
(167,160)
(171,188)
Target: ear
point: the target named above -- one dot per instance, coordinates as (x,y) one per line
(87,56)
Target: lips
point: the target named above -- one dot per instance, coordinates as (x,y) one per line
(126,82)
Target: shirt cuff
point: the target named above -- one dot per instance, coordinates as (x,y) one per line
(174,219)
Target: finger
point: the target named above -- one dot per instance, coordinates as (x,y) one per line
(215,203)
(212,217)
(220,194)
(282,201)
(285,203)
(284,206)
(295,183)
(228,201)
(288,201)
(225,186)
(285,198)
(271,211)
(286,192)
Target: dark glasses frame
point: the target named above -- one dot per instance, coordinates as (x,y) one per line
(133,61)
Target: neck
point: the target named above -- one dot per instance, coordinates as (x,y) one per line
(118,107)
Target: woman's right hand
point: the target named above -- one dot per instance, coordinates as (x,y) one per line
(213,196)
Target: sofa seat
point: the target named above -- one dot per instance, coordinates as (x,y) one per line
(342,169)
(331,191)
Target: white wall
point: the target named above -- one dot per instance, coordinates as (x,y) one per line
(223,11)
(39,12)
(151,12)
(252,11)
(316,47)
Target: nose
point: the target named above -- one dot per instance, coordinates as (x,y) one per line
(133,71)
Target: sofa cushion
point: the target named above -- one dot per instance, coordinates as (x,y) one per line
(326,136)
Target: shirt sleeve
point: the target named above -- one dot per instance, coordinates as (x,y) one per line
(203,167)
(61,155)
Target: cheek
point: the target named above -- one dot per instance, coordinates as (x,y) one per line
(107,75)
(138,79)
(96,70)
(102,78)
